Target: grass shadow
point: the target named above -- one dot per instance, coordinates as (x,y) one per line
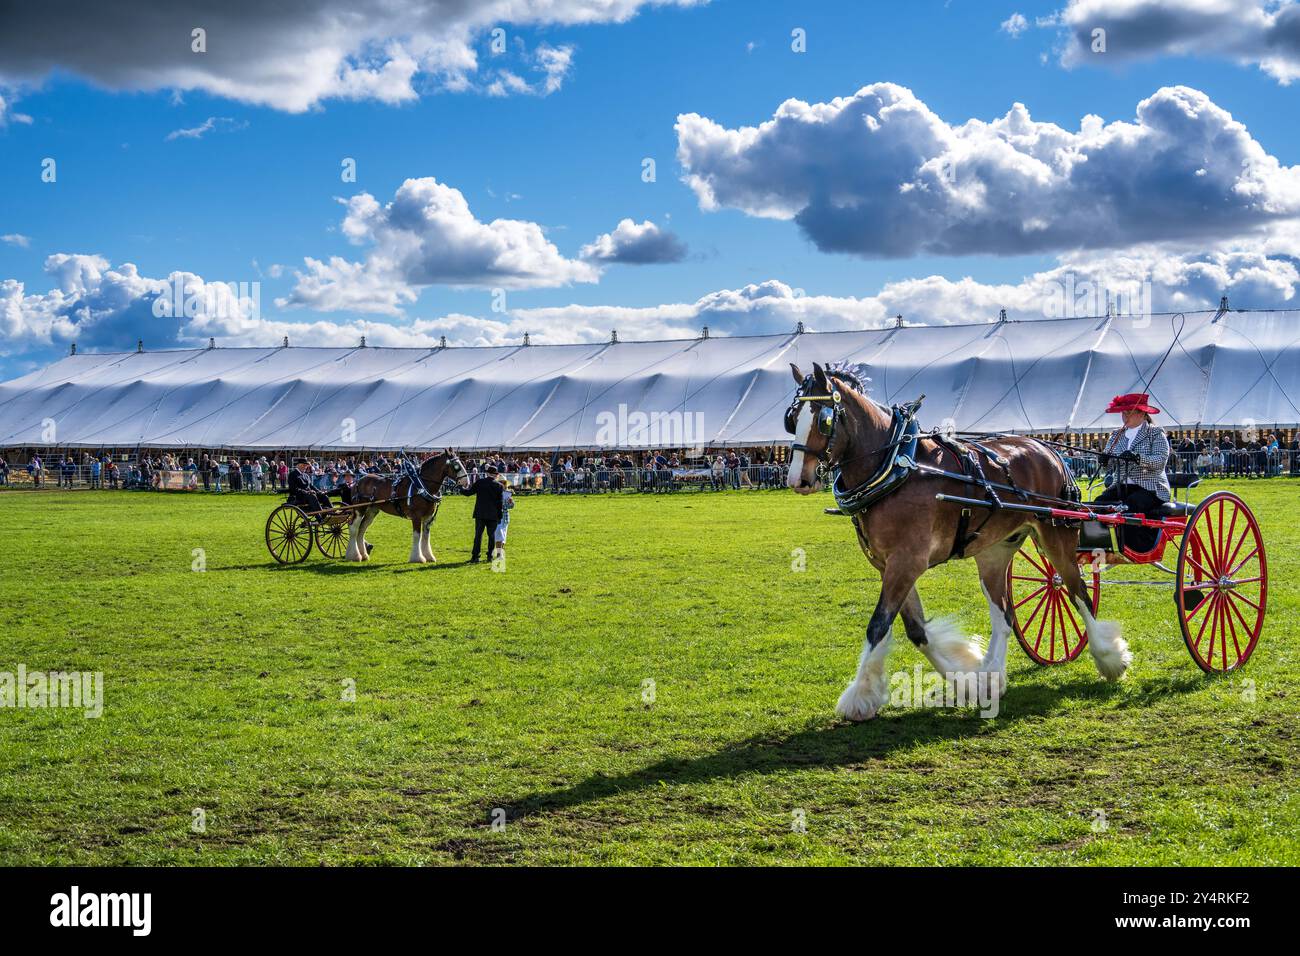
(822,745)
(332,567)
(436,566)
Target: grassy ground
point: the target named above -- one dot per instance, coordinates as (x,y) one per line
(521,695)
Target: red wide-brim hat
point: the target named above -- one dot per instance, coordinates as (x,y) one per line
(1133,402)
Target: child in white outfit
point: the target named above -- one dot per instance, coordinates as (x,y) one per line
(507,502)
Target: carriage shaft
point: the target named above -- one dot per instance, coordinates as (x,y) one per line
(1068,514)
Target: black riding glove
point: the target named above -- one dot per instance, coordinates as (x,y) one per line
(1103,458)
(1129,456)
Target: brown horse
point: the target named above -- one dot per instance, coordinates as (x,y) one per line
(909,531)
(391,496)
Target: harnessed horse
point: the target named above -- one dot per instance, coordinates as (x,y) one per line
(401,497)
(886,475)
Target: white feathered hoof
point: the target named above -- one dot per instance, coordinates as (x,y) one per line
(859,703)
(949,650)
(1109,650)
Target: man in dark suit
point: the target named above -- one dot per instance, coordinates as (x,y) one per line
(487,508)
(301,492)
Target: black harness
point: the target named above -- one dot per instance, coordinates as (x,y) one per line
(896,468)
(904,433)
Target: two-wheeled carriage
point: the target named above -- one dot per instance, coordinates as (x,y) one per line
(291,530)
(1219,579)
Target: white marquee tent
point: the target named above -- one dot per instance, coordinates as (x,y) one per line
(1225,370)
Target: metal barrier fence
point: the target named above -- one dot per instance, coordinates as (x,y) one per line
(600,480)
(1240,462)
(1218,463)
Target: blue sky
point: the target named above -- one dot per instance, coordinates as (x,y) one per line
(260,188)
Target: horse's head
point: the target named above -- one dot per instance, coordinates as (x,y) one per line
(831,414)
(456,469)
(811,419)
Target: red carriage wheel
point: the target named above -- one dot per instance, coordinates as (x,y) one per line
(1047,624)
(1222,586)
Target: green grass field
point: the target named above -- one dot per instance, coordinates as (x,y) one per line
(520,695)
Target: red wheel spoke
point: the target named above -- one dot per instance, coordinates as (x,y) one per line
(1031,597)
(1247,580)
(1245,627)
(1045,599)
(1042,623)
(1213,616)
(1253,552)
(1242,597)
(1062,612)
(1205,534)
(1047,571)
(1056,599)
(1205,575)
(1245,533)
(1205,601)
(1223,632)
(1205,553)
(1074,622)
(1228,538)
(1018,577)
(1212,602)
(1218,534)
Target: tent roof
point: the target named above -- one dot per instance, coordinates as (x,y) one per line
(1223,370)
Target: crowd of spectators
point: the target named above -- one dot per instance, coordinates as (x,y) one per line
(1248,455)
(1230,454)
(556,473)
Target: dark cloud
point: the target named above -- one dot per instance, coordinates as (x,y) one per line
(287,54)
(1260,32)
(633,243)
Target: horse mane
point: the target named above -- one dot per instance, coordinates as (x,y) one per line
(853,374)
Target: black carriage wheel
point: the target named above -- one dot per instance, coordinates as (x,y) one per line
(332,537)
(288,535)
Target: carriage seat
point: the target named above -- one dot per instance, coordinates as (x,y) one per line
(1184,479)
(1174,509)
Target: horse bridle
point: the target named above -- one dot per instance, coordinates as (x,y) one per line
(824,421)
(829,417)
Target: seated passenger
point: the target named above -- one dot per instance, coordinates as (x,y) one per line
(1135,456)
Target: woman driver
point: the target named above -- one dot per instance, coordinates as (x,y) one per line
(1135,456)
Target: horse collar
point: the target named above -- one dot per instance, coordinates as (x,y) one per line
(904,433)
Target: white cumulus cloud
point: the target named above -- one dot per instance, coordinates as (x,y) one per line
(1015,25)
(101,306)
(879,174)
(425,236)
